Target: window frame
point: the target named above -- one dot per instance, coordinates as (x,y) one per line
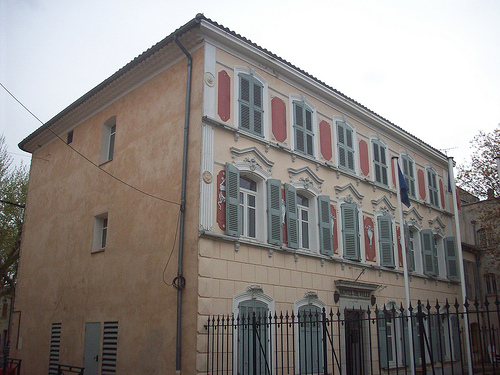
(433,191)
(408,170)
(256,78)
(305,108)
(380,147)
(100,237)
(310,299)
(342,147)
(108,140)
(233,212)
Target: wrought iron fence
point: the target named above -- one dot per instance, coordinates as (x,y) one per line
(356,342)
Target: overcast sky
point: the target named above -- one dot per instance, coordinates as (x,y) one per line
(430,67)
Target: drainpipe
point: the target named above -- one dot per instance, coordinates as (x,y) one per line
(179,281)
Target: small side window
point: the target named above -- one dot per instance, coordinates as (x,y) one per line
(100,232)
(69,139)
(108,139)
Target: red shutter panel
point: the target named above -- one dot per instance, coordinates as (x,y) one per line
(325,139)
(335,235)
(278,111)
(400,247)
(221,199)
(369,230)
(364,159)
(421,183)
(224,100)
(441,193)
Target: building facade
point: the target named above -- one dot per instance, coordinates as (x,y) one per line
(290,205)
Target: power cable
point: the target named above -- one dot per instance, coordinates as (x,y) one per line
(87,159)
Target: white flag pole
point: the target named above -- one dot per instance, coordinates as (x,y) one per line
(460,261)
(405,263)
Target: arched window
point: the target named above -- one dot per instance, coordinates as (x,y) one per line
(309,346)
(252,310)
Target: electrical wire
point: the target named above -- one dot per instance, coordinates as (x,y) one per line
(172,251)
(87,159)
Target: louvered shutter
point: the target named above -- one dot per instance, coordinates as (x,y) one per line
(410,249)
(309,131)
(55,344)
(244,102)
(428,251)
(386,245)
(451,259)
(232,200)
(292,224)
(382,339)
(109,348)
(350,229)
(258,112)
(274,212)
(325,225)
(251,104)
(341,144)
(299,127)
(350,148)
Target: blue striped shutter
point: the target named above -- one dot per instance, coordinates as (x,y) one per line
(251,104)
(232,201)
(325,225)
(428,251)
(350,231)
(275,234)
(386,245)
(451,259)
(292,223)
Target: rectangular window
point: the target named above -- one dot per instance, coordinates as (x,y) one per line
(345,145)
(380,162)
(303,217)
(108,139)
(69,138)
(100,232)
(409,174)
(433,187)
(251,104)
(248,206)
(350,231)
(303,125)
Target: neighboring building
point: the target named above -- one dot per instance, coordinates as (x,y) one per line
(290,205)
(482,238)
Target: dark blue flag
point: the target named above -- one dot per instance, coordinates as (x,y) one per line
(403,187)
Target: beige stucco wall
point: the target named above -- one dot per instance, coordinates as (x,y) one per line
(61,280)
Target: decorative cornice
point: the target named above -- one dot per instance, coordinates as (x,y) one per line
(258,163)
(306,182)
(350,186)
(384,199)
(415,212)
(438,221)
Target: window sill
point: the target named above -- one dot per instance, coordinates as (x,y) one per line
(98,251)
(105,162)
